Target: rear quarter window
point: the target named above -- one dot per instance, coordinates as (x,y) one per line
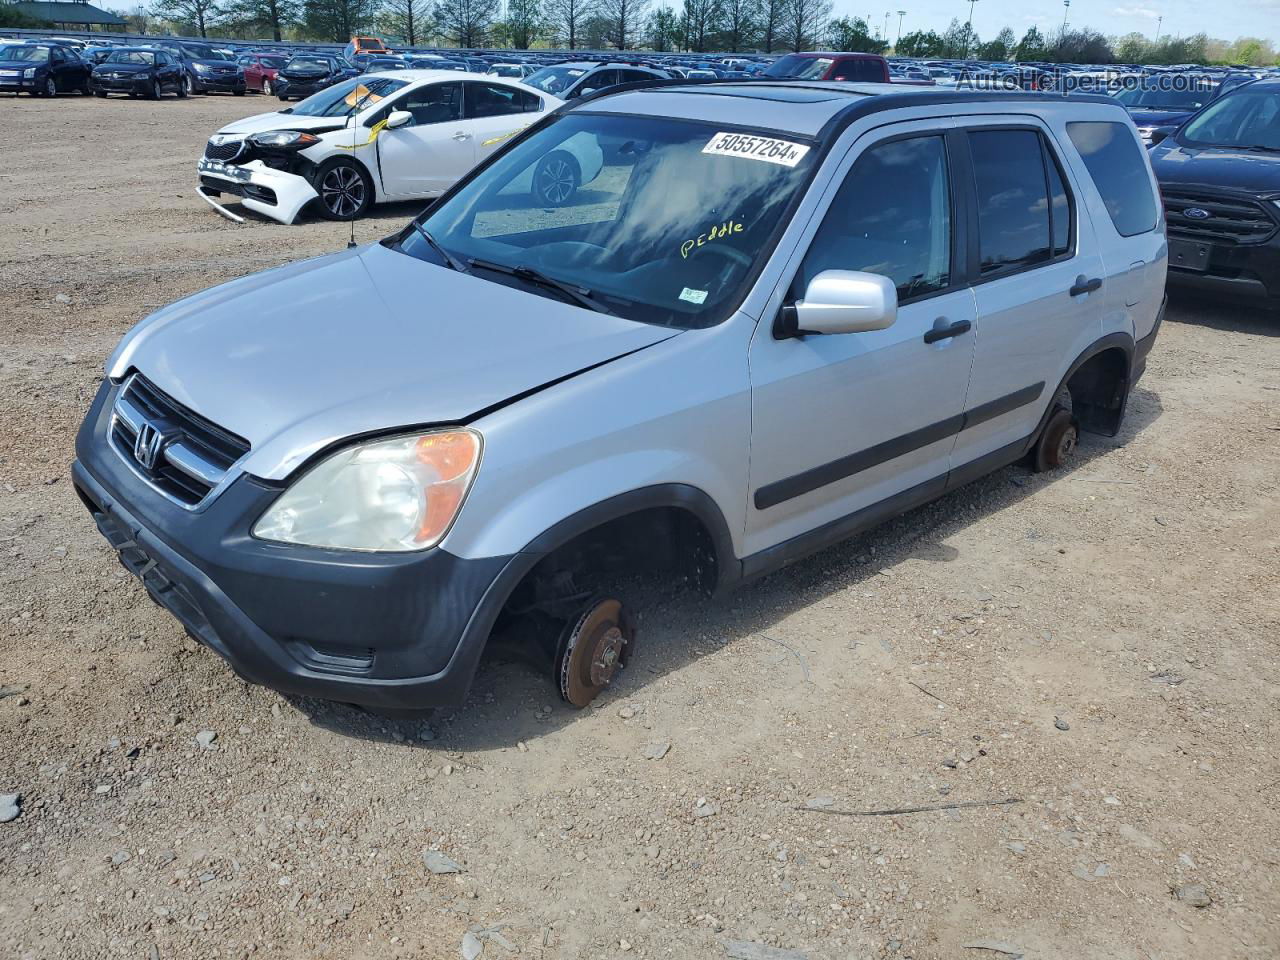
(1115,162)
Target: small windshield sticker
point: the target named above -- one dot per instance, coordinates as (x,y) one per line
(717,232)
(782,152)
(693,296)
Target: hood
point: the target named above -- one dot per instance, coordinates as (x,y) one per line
(283,121)
(1159,118)
(1245,171)
(217,64)
(300,357)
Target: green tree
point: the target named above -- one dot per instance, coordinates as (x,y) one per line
(271,16)
(739,25)
(336,20)
(853,35)
(958,39)
(465,23)
(804,23)
(624,22)
(663,30)
(1031,46)
(1132,48)
(919,43)
(193,16)
(772,14)
(566,20)
(697,20)
(1001,48)
(524,24)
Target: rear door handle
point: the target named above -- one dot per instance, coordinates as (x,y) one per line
(944,333)
(461,136)
(1083,286)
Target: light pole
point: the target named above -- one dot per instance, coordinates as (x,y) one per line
(1066,8)
(885,35)
(1159,24)
(901,14)
(968,30)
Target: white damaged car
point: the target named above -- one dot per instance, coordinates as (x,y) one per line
(386,137)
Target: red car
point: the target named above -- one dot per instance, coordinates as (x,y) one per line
(260,71)
(854,67)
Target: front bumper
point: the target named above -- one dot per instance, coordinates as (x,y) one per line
(206,83)
(19,84)
(1248,271)
(140,83)
(273,193)
(299,88)
(388,630)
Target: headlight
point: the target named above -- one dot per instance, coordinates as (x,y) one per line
(398,495)
(29,72)
(284,138)
(201,67)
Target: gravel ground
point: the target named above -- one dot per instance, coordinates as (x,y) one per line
(1082,667)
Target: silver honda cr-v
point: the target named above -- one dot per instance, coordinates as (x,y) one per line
(780,313)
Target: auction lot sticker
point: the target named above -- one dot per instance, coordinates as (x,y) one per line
(782,152)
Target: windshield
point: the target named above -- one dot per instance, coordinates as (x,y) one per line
(340,99)
(309,63)
(1247,118)
(1158,99)
(554,79)
(24,53)
(804,68)
(657,220)
(200,52)
(132,56)
(275,63)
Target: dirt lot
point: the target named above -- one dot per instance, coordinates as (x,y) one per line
(1132,597)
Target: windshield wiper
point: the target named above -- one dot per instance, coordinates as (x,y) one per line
(1259,146)
(579,295)
(453,262)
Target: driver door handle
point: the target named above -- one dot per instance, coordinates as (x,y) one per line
(462,135)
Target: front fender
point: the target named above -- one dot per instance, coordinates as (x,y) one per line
(675,413)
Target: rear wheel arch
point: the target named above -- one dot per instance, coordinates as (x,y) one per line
(1099,381)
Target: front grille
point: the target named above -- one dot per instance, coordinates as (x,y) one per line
(1230,220)
(226,152)
(189,455)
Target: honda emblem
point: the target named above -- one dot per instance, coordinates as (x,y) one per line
(147,446)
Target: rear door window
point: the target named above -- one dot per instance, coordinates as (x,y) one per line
(495,100)
(1119,171)
(1014,229)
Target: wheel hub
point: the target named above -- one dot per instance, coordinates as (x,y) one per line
(593,648)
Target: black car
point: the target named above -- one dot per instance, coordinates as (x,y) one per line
(383,64)
(310,73)
(42,69)
(206,70)
(139,71)
(1220,177)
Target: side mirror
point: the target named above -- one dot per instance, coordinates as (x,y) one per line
(840,301)
(399,118)
(1160,133)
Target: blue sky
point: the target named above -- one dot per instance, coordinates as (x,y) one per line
(1234,18)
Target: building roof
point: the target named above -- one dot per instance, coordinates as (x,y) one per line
(58,11)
